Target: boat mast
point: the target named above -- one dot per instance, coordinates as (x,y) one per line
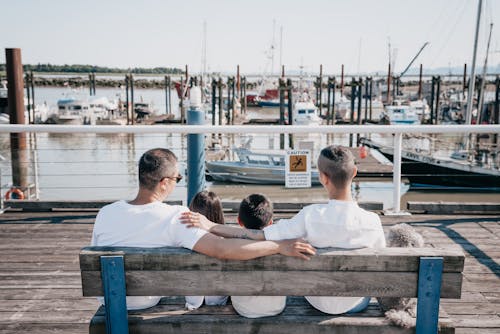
(472,80)
(483,79)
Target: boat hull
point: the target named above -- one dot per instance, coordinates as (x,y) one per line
(227,171)
(423,171)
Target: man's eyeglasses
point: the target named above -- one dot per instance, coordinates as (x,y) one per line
(177,178)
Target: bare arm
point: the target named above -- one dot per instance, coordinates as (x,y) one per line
(238,249)
(192,219)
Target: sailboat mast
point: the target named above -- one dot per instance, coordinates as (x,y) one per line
(472,80)
(483,79)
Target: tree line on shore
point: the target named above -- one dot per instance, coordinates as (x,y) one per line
(78,68)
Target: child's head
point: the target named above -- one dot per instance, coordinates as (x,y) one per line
(256,212)
(208,204)
(337,163)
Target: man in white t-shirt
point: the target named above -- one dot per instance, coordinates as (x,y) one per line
(148,222)
(339,223)
(256,212)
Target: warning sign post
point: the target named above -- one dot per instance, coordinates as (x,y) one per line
(298,169)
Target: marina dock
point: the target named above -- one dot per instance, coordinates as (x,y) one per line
(40,285)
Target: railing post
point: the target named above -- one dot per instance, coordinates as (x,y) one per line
(195,147)
(396,177)
(113,285)
(429,291)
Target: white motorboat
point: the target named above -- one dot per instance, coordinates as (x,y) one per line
(305,112)
(399,114)
(253,167)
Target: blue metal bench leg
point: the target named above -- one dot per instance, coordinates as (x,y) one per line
(113,284)
(429,291)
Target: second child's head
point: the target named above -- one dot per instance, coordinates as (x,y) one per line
(256,212)
(208,204)
(337,164)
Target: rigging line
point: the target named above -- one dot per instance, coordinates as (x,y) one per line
(440,21)
(448,36)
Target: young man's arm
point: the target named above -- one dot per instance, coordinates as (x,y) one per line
(193,219)
(238,249)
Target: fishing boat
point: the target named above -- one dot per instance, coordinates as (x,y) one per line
(399,114)
(253,167)
(460,169)
(305,112)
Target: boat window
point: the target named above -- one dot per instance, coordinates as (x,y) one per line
(75,108)
(302,112)
(278,161)
(311,111)
(62,107)
(256,159)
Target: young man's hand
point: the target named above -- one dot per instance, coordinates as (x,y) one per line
(195,219)
(297,248)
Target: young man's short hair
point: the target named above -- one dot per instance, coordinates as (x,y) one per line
(154,165)
(337,163)
(256,211)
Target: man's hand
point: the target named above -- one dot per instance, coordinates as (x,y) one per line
(195,219)
(297,248)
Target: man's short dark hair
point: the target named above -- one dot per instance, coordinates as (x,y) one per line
(337,163)
(256,211)
(154,165)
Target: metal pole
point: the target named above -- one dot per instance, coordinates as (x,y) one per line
(342,81)
(195,150)
(472,80)
(464,83)
(396,178)
(28,96)
(389,85)
(127,102)
(32,81)
(18,147)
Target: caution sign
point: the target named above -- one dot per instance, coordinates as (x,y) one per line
(298,169)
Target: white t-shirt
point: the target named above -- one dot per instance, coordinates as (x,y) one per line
(258,306)
(151,225)
(341,224)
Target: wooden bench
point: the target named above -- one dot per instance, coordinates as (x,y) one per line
(426,273)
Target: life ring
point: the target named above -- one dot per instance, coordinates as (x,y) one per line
(18,194)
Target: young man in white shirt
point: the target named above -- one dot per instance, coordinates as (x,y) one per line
(256,212)
(148,222)
(339,223)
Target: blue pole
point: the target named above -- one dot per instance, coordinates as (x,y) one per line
(113,284)
(429,291)
(196,154)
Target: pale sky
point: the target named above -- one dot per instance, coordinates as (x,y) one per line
(133,33)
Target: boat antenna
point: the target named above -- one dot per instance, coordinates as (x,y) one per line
(413,60)
(483,78)
(472,80)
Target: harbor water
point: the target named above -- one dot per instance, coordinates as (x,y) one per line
(104,167)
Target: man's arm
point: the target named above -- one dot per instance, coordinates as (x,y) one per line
(239,249)
(193,219)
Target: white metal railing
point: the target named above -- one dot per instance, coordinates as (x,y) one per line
(396,130)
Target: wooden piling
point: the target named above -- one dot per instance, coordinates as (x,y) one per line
(433,89)
(420,83)
(221,110)
(328,99)
(353,98)
(168,103)
(320,87)
(131,81)
(214,101)
(28,96)
(18,147)
(371,97)
(127,101)
(289,88)
(496,112)
(388,101)
(281,88)
(360,96)
(366,98)
(181,102)
(464,82)
(438,93)
(342,81)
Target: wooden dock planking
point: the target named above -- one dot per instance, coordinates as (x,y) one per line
(40,287)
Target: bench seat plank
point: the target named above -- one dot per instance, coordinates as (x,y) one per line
(272,283)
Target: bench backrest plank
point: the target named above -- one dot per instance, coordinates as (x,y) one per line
(364,272)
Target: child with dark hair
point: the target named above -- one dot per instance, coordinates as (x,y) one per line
(208,204)
(256,212)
